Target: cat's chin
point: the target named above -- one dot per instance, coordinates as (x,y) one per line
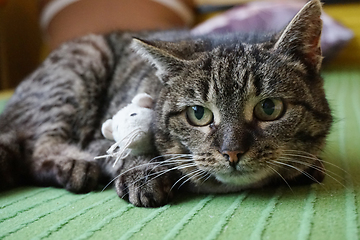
(243,180)
(232,182)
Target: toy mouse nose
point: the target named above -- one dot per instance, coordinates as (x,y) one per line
(233,157)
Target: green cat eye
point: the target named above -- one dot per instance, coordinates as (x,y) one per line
(269,109)
(199,116)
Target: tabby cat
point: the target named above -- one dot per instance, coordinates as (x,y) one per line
(232,112)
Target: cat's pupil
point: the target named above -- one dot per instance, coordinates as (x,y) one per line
(268,107)
(198,112)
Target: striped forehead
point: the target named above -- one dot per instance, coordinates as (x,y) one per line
(232,78)
(235,85)
(228,77)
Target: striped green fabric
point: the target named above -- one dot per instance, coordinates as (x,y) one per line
(320,211)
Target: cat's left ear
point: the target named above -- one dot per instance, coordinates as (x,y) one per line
(301,37)
(161,55)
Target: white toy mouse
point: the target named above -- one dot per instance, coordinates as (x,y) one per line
(130,128)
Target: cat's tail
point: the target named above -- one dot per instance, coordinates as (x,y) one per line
(12,168)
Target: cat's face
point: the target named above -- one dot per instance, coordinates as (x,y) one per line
(244,113)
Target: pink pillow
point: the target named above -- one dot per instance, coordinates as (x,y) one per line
(273,17)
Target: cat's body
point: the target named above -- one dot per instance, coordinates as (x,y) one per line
(230,114)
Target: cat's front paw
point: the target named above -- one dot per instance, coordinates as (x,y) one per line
(79,176)
(144,189)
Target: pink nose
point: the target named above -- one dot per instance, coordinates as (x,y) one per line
(233,157)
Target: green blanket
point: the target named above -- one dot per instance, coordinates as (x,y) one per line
(320,211)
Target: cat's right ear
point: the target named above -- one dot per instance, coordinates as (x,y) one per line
(302,35)
(163,59)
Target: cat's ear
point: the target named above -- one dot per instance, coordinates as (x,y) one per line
(160,54)
(301,37)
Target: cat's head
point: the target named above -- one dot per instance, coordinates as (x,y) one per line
(243,113)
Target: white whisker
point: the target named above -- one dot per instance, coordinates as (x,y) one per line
(194,174)
(318,169)
(185,176)
(273,169)
(298,169)
(160,173)
(205,177)
(173,160)
(119,175)
(151,162)
(312,157)
(209,175)
(308,164)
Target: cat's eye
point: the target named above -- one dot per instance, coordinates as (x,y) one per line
(199,116)
(269,109)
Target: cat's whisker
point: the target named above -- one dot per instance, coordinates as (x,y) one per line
(185,176)
(151,162)
(299,152)
(206,176)
(311,157)
(169,155)
(128,170)
(108,184)
(167,162)
(194,174)
(173,156)
(164,164)
(274,170)
(327,172)
(189,174)
(308,164)
(159,174)
(286,167)
(175,159)
(173,168)
(172,161)
(297,169)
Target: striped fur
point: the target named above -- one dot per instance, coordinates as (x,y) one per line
(50,129)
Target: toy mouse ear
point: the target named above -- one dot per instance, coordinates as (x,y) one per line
(106,129)
(143,100)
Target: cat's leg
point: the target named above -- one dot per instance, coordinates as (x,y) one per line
(12,170)
(144,183)
(61,164)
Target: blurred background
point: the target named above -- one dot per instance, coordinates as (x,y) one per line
(29,29)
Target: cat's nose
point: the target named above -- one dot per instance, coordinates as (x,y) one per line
(233,157)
